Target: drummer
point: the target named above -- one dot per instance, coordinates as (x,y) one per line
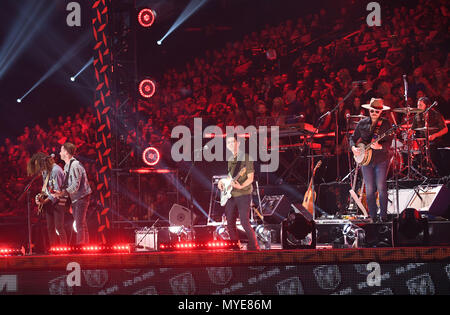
(436,130)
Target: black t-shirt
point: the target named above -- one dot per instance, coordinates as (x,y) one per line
(435,120)
(365,133)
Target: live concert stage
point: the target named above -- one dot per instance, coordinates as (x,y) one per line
(330,268)
(252,147)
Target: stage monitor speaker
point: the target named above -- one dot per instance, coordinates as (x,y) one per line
(275,208)
(432,199)
(181,216)
(333,197)
(298,230)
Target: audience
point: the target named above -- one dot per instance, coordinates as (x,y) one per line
(301,68)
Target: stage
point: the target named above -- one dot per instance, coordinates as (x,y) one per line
(324,271)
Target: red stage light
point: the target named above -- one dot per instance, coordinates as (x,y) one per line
(146,17)
(151,156)
(147,88)
(199,245)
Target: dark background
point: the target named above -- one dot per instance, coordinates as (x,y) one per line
(50,40)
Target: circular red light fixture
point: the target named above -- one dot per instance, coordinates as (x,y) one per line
(147,88)
(146,17)
(151,156)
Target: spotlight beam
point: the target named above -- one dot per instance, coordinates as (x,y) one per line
(190,9)
(73,78)
(28,24)
(66,57)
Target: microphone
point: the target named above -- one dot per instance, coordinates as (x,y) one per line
(205,147)
(359,82)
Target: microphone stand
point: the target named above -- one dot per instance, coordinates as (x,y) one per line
(337,127)
(27,191)
(191,201)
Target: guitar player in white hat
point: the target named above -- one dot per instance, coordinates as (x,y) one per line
(376,161)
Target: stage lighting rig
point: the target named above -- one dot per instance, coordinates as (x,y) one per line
(151,156)
(146,17)
(298,231)
(410,229)
(147,88)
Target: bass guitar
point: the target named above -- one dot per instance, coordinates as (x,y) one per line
(227,183)
(310,195)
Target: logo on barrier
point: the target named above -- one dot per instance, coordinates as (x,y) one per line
(386,291)
(132,271)
(96,278)
(183,284)
(421,285)
(59,286)
(146,291)
(8,283)
(220,275)
(328,277)
(290,286)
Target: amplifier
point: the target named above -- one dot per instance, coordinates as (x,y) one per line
(146,239)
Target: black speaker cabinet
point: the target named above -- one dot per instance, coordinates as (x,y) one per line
(333,197)
(275,208)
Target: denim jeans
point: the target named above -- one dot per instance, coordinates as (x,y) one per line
(375,180)
(243,206)
(54,215)
(79,211)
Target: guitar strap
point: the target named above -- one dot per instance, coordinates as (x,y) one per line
(236,169)
(377,129)
(63,200)
(66,180)
(45,182)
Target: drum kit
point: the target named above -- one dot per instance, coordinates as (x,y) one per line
(410,149)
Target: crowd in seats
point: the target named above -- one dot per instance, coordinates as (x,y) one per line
(301,68)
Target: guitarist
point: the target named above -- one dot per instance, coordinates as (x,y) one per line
(241,193)
(375,173)
(53,177)
(77,189)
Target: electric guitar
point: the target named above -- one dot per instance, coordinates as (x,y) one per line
(225,194)
(364,155)
(42,198)
(310,195)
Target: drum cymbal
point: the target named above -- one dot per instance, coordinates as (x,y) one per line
(405,110)
(425,128)
(356,116)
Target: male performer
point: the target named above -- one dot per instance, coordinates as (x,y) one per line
(54,213)
(437,129)
(241,193)
(77,189)
(375,173)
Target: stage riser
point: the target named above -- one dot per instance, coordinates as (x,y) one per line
(321,279)
(380,234)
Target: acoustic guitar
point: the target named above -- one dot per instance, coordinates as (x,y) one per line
(310,195)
